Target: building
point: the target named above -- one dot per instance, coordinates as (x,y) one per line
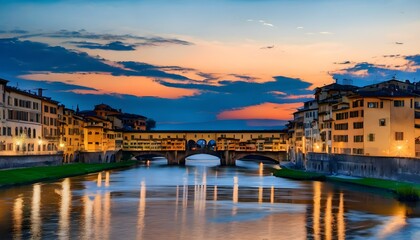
(51,139)
(72,126)
(21,126)
(377,121)
(381,119)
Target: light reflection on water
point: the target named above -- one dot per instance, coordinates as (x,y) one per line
(200,201)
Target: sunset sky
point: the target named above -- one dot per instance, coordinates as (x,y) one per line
(232,64)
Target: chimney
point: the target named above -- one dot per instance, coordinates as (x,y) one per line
(40,92)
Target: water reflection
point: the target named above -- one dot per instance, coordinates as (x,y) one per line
(64,221)
(17,217)
(142,210)
(317,209)
(200,202)
(341,225)
(36,221)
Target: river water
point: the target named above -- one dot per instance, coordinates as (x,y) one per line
(201,201)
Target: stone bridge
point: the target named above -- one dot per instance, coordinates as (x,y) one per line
(227,158)
(228,146)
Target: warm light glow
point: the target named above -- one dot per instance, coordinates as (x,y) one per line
(99,180)
(261,169)
(18,217)
(317,210)
(65,203)
(36,220)
(39,142)
(142,210)
(235,189)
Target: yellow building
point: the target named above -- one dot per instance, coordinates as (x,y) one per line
(72,126)
(378,122)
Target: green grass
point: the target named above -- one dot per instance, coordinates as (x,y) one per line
(403,191)
(36,174)
(298,175)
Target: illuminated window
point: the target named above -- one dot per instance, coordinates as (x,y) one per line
(399,136)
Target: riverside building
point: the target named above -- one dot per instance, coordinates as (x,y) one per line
(377,120)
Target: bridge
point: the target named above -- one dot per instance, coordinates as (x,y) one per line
(228,146)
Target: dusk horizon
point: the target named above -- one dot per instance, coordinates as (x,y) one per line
(205,65)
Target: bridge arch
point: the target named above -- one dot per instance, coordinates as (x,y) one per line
(275,156)
(201,143)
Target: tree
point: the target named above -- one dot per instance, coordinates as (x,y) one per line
(150,124)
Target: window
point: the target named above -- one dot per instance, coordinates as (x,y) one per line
(341,126)
(382,104)
(357,125)
(371,137)
(341,138)
(399,103)
(340,116)
(46,109)
(358,151)
(372,104)
(357,103)
(399,136)
(358,138)
(382,122)
(354,114)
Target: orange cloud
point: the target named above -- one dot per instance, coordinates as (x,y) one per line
(106,83)
(276,111)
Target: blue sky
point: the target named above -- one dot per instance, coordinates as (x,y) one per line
(205,64)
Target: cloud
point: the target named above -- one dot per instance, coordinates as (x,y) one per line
(25,56)
(325,33)
(299,27)
(343,62)
(392,56)
(262,111)
(262,22)
(399,43)
(414,60)
(83,34)
(368,73)
(74,77)
(267,47)
(115,46)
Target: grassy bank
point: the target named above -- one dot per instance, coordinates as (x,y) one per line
(403,191)
(298,175)
(19,176)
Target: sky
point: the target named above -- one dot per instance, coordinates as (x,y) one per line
(205,65)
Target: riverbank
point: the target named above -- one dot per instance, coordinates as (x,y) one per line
(11,177)
(404,191)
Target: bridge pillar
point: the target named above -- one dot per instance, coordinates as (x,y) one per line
(228,158)
(175,158)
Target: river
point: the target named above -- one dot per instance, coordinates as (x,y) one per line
(201,201)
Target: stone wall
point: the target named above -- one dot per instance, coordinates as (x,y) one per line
(30,161)
(100,157)
(394,168)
